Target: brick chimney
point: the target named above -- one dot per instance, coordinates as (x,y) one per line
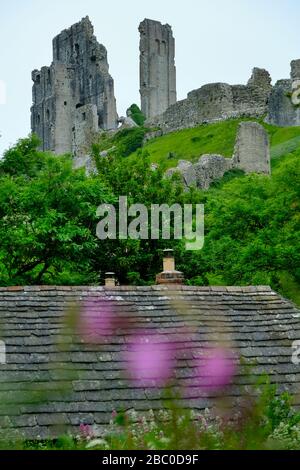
(169,274)
(110,280)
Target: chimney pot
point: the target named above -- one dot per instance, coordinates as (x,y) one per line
(169,260)
(110,279)
(169,274)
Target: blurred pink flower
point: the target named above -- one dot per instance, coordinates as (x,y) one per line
(86,430)
(214,369)
(150,360)
(97,320)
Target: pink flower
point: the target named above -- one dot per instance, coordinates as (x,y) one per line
(86,430)
(214,369)
(150,360)
(97,320)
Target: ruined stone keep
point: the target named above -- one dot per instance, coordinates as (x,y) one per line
(157,67)
(74,97)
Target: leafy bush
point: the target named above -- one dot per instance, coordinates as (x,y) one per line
(129,140)
(47,218)
(137,115)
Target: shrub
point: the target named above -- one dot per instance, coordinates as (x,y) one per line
(137,115)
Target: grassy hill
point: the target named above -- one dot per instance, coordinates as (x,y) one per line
(190,144)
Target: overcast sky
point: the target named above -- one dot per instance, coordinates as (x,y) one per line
(216,41)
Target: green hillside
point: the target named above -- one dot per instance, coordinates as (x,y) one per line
(190,144)
(219,138)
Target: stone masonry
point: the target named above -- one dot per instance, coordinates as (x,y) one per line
(74,97)
(252,149)
(157,67)
(251,154)
(218,101)
(284,102)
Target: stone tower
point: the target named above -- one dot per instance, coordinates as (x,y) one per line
(74,97)
(157,68)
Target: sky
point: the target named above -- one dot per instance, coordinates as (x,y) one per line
(216,41)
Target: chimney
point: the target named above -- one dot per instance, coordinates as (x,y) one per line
(169,274)
(110,280)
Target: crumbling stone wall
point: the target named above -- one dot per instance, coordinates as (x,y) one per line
(202,174)
(74,97)
(252,149)
(251,154)
(284,102)
(218,101)
(157,67)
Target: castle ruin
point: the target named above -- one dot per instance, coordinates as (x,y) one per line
(218,101)
(73,98)
(157,68)
(284,102)
(251,155)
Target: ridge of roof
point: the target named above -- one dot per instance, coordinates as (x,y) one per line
(37,288)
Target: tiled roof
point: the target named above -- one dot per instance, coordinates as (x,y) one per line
(53,378)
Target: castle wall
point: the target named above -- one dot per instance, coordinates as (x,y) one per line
(157,67)
(284,102)
(85,129)
(78,76)
(252,149)
(217,101)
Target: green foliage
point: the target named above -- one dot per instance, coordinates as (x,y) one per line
(137,261)
(23,159)
(129,140)
(254,217)
(122,143)
(47,218)
(258,219)
(137,115)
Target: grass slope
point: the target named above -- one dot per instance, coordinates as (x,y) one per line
(190,144)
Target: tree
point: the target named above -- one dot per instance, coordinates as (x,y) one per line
(47,218)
